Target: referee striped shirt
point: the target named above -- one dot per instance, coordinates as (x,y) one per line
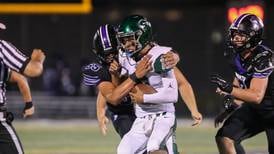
(4,77)
(12,57)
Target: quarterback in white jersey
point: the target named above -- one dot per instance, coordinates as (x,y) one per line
(164,83)
(155,122)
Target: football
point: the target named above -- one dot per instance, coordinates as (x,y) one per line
(146,89)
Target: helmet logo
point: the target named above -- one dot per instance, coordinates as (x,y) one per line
(255,25)
(93,66)
(143,23)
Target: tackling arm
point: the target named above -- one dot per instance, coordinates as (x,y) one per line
(114,95)
(115,70)
(171,59)
(166,61)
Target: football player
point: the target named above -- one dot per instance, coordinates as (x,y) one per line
(103,72)
(97,74)
(155,122)
(253,85)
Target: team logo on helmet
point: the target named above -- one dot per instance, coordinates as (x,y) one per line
(143,23)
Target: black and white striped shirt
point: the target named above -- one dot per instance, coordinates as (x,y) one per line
(4,77)
(12,57)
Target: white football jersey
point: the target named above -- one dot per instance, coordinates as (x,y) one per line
(156,80)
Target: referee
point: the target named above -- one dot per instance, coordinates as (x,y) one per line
(12,60)
(20,63)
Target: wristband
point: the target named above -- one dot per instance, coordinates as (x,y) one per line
(228,88)
(28,105)
(134,78)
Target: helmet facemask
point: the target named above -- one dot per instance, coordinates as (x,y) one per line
(239,40)
(106,57)
(127,40)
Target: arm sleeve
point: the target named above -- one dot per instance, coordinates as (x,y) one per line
(12,57)
(168,93)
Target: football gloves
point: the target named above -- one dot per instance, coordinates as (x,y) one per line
(221,83)
(228,102)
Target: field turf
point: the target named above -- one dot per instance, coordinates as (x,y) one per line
(83,137)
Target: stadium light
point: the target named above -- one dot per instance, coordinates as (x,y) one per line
(234,12)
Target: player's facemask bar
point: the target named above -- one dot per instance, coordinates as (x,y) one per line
(242,45)
(123,37)
(108,58)
(245,38)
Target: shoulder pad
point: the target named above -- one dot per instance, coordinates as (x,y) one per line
(94,67)
(263,60)
(91,74)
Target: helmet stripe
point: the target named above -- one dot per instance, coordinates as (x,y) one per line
(239,20)
(105,37)
(108,39)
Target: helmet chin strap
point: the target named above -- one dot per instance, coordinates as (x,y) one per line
(137,54)
(129,53)
(134,55)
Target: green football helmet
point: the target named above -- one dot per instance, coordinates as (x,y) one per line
(139,28)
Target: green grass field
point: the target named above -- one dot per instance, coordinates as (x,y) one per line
(83,137)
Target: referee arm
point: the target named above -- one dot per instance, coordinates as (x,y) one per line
(35,65)
(20,63)
(23,86)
